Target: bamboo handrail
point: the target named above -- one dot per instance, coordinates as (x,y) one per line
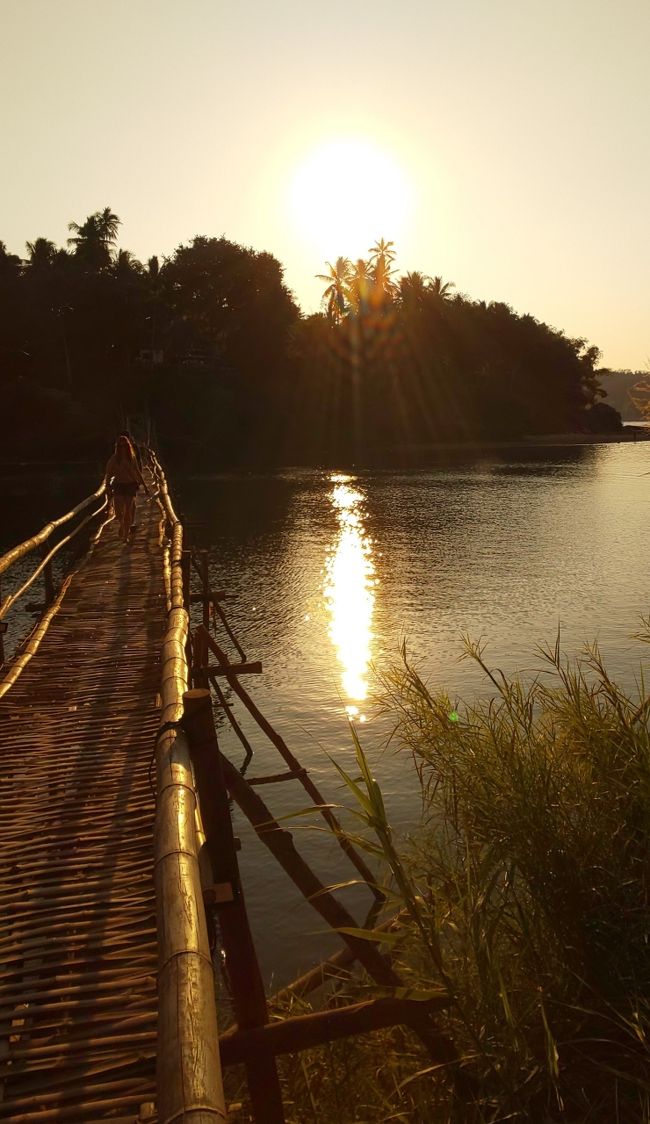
(163,489)
(24,548)
(241,963)
(11,599)
(189,1083)
(30,646)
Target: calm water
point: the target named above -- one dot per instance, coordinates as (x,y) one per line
(330,572)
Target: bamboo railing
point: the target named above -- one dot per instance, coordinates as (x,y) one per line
(24,548)
(52,598)
(189,1083)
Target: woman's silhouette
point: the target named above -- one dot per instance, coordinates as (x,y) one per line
(123,478)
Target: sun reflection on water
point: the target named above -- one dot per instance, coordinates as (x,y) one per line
(349,593)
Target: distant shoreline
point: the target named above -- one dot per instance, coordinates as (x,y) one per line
(394,457)
(538,441)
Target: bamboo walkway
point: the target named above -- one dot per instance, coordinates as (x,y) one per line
(78,947)
(112,789)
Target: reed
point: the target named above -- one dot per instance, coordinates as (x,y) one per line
(525,894)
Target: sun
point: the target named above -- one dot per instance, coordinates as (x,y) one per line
(346,193)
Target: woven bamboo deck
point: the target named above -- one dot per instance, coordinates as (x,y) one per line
(78,950)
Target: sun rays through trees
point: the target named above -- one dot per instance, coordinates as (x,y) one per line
(398,363)
(394,364)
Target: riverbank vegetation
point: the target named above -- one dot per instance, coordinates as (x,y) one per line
(524,895)
(210,346)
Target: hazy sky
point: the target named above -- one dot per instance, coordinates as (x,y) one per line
(503,144)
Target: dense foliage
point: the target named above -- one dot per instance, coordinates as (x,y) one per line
(400,362)
(210,346)
(89,336)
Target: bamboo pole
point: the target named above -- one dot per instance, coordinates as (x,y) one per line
(273,778)
(49,584)
(17,552)
(213,595)
(304,1032)
(233,721)
(281,845)
(45,563)
(205,590)
(30,647)
(303,775)
(163,490)
(199,659)
(249,999)
(250,667)
(326,971)
(189,1080)
(219,612)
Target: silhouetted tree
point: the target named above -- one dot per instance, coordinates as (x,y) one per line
(382,256)
(210,344)
(338,279)
(441,289)
(360,286)
(94,239)
(413,289)
(42,253)
(9,263)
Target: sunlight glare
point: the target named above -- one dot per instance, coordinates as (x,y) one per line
(346,193)
(349,593)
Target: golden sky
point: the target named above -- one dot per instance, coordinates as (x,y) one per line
(503,144)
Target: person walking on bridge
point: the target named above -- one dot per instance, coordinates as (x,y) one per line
(123,478)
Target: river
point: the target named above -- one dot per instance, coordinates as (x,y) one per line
(329,572)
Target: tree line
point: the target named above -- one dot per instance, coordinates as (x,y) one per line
(409,363)
(211,348)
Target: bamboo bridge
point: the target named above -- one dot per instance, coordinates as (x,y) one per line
(118,863)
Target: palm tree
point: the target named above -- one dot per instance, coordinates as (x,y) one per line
(442,289)
(108,225)
(94,239)
(126,263)
(87,242)
(382,256)
(41,252)
(382,249)
(9,263)
(414,288)
(360,285)
(336,293)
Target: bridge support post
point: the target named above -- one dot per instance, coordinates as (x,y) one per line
(205,582)
(186,559)
(49,585)
(3,629)
(199,660)
(249,999)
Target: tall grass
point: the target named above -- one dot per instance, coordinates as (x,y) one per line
(527,890)
(525,894)
(534,871)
